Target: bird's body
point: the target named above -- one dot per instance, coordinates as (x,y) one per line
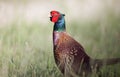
(68,52)
(70,56)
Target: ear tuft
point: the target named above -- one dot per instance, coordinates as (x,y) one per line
(63,14)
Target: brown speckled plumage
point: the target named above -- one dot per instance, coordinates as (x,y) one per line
(69,53)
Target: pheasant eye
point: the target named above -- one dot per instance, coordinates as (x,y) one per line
(54,13)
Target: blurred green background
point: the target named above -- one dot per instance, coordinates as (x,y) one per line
(26,34)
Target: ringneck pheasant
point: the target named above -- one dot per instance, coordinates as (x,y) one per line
(69,55)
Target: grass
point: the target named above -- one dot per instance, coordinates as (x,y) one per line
(26,49)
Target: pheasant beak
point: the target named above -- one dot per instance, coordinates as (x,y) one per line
(50,18)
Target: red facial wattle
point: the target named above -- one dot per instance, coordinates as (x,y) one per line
(54,16)
(54,19)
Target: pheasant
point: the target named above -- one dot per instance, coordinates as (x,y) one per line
(69,55)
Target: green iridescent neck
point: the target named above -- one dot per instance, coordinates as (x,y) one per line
(60,25)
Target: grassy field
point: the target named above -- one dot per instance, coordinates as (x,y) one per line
(26,49)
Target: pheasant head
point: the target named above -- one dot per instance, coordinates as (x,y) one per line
(58,19)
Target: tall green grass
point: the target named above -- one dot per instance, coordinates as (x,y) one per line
(26,49)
